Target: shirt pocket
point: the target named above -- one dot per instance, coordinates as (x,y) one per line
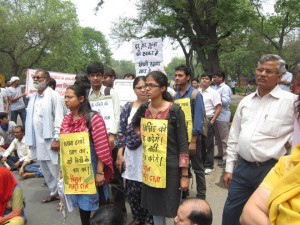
(273,127)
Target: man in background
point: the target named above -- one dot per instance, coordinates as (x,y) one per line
(109,77)
(286,79)
(15,94)
(222,123)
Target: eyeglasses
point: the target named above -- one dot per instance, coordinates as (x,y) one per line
(141,88)
(37,77)
(151,86)
(267,71)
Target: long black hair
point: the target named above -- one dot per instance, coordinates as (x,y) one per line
(162,80)
(85,107)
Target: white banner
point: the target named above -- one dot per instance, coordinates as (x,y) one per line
(63,80)
(124,89)
(106,108)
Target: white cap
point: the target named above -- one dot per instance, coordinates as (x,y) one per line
(13,79)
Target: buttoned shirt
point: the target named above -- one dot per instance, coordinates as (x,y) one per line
(23,150)
(225,93)
(116,104)
(211,99)
(261,127)
(197,109)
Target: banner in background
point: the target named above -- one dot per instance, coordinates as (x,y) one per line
(63,80)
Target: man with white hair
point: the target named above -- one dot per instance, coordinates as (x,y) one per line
(45,113)
(15,94)
(261,132)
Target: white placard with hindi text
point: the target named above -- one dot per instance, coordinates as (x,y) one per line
(106,108)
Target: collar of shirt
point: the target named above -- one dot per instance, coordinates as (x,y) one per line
(187,93)
(276,92)
(101,92)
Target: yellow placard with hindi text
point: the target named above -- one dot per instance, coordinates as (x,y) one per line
(185,105)
(75,161)
(154,135)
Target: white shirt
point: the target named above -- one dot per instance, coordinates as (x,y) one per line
(287,76)
(133,159)
(116,103)
(211,99)
(23,151)
(261,127)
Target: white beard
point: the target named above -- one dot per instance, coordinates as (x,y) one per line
(40,85)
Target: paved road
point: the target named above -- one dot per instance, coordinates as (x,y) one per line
(46,214)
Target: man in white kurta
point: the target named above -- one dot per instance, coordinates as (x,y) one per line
(45,113)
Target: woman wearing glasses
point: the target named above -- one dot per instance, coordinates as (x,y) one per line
(129,160)
(164,201)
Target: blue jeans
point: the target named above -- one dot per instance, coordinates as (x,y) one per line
(14,115)
(34,168)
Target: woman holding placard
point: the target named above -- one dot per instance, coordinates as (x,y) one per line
(83,121)
(162,127)
(130,145)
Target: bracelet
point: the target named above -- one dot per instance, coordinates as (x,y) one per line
(101,173)
(187,176)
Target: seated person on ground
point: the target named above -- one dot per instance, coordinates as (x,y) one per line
(23,158)
(6,130)
(11,199)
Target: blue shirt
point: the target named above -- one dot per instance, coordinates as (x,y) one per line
(197,108)
(225,93)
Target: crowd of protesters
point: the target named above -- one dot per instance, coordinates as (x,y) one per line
(194,116)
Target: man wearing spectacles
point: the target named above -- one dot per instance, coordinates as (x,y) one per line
(45,112)
(261,132)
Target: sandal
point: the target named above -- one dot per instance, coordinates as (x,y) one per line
(51,199)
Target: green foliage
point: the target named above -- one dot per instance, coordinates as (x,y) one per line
(122,67)
(46,34)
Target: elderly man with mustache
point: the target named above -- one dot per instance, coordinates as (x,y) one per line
(261,132)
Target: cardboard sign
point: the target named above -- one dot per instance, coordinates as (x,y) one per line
(105,107)
(185,105)
(154,135)
(76,164)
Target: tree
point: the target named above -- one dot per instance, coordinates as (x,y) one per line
(279,27)
(31,31)
(122,67)
(196,25)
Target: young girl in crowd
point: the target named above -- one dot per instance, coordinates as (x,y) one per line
(129,142)
(164,202)
(11,199)
(80,120)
